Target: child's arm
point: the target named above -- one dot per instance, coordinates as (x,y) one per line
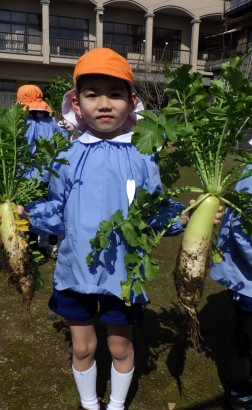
(46,217)
(242,240)
(169,209)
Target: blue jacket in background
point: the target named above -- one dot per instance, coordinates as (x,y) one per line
(235,269)
(43,127)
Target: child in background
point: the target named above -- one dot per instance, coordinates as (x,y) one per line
(40,124)
(235,272)
(104,175)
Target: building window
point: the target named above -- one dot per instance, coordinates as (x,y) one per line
(8,86)
(167,45)
(123,38)
(68,36)
(202,49)
(8,93)
(20,31)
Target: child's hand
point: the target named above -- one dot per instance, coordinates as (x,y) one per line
(22,213)
(218,215)
(217,219)
(184,219)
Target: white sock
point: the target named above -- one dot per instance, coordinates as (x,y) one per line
(120,383)
(86,385)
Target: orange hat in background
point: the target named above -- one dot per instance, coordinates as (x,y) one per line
(31,96)
(105,61)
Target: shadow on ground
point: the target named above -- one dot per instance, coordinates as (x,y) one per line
(165,335)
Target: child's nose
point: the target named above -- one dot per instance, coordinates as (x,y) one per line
(104,101)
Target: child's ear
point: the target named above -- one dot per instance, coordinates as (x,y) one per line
(76,105)
(132,104)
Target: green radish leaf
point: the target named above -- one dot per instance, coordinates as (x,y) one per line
(126,290)
(151,267)
(131,234)
(133,259)
(117,217)
(138,287)
(148,134)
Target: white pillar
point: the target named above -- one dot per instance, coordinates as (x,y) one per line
(45,31)
(148,37)
(194,43)
(99,26)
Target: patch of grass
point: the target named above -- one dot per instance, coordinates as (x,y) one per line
(35,354)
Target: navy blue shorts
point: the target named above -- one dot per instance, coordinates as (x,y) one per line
(241,302)
(82,307)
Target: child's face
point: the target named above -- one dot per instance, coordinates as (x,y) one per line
(38,114)
(104,104)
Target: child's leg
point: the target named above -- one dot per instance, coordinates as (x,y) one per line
(122,352)
(84,366)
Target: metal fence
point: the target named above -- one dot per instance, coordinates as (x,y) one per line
(70,46)
(20,43)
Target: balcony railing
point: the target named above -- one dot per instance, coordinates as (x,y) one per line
(20,43)
(69,47)
(175,56)
(135,53)
(130,51)
(236,4)
(223,53)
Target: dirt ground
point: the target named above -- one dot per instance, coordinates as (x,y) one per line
(35,352)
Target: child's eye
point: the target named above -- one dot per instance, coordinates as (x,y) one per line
(90,95)
(116,95)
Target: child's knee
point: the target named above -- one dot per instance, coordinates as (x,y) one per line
(83,350)
(120,349)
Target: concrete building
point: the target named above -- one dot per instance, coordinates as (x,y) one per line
(235,37)
(42,38)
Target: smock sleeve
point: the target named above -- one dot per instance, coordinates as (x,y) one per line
(169,209)
(242,240)
(60,130)
(47,216)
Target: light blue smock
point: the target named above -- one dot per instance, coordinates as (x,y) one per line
(88,191)
(43,127)
(235,269)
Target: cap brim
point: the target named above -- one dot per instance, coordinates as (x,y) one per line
(38,106)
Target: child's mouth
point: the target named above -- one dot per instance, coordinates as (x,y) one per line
(105,118)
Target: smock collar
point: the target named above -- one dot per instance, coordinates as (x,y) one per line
(89,138)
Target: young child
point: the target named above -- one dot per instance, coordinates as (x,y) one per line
(104,174)
(40,124)
(235,272)
(87,191)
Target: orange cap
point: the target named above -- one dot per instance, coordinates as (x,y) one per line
(103,61)
(31,96)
